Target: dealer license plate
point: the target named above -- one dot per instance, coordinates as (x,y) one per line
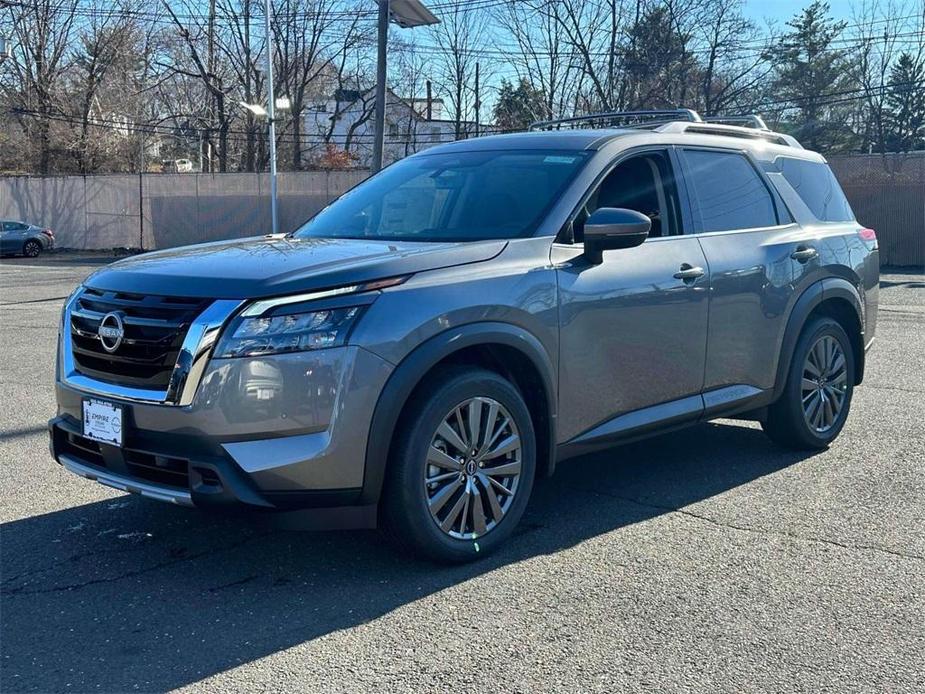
(102,421)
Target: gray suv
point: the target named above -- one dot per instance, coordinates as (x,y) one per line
(427,345)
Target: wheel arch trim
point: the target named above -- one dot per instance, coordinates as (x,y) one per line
(812,297)
(409,372)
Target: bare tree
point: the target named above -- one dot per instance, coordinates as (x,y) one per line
(241,48)
(42,31)
(308,37)
(104,53)
(537,54)
(732,50)
(198,36)
(459,36)
(593,31)
(880,41)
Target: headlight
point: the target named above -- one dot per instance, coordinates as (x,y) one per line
(295,332)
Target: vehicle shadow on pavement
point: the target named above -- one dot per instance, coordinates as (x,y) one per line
(129,594)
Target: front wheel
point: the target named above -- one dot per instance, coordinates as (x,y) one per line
(462,468)
(817,397)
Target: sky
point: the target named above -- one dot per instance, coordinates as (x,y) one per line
(782,10)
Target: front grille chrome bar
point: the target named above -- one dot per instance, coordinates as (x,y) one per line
(187,372)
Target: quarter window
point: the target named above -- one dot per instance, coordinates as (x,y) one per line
(816,185)
(727,192)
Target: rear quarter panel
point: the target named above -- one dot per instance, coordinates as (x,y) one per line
(755,284)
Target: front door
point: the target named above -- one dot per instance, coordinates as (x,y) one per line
(6,237)
(633,329)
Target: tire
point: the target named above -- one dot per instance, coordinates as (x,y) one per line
(408,499)
(32,248)
(828,402)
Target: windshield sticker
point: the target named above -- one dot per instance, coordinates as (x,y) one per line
(559,160)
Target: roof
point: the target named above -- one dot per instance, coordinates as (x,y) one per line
(555,139)
(765,145)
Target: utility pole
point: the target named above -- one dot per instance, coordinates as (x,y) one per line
(141,190)
(478,104)
(271,117)
(430,102)
(379,139)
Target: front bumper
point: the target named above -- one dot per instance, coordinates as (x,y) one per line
(281,432)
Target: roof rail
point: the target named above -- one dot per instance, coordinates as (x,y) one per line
(730,131)
(749,120)
(609,118)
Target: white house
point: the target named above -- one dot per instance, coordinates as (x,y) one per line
(347,122)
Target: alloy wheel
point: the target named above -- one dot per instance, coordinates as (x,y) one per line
(32,249)
(825,384)
(473,468)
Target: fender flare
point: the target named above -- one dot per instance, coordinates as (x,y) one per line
(409,372)
(812,296)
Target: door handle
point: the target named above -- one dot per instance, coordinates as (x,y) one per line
(804,253)
(688,272)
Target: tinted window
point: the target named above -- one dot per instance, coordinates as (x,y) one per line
(727,192)
(465,196)
(643,183)
(816,185)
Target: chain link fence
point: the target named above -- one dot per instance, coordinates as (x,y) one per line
(152,211)
(887,193)
(164,210)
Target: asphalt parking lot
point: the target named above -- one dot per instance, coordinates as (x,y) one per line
(703,560)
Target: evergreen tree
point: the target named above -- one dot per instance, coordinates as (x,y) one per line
(811,74)
(659,67)
(518,107)
(905,101)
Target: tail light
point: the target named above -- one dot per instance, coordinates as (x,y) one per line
(867,235)
(49,233)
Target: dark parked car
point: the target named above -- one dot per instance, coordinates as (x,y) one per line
(20,238)
(469,318)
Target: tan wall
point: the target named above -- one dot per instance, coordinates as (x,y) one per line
(102,212)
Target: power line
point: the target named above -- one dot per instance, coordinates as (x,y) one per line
(236,134)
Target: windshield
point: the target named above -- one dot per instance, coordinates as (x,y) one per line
(466,196)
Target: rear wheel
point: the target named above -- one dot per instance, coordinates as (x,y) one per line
(817,397)
(31,248)
(462,469)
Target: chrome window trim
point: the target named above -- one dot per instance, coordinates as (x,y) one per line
(187,372)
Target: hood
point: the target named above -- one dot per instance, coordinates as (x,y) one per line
(276,265)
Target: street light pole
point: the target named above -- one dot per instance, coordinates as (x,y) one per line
(379,139)
(406,14)
(271,118)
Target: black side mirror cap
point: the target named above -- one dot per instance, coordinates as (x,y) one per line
(610,228)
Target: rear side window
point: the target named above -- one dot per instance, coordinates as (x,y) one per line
(817,186)
(727,191)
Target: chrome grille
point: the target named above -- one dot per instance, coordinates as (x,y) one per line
(154,329)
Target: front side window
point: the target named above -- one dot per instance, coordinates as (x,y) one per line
(727,192)
(817,186)
(466,196)
(644,183)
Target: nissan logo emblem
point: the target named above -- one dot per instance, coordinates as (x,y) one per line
(111,332)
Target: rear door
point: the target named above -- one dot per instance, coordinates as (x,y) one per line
(633,328)
(752,247)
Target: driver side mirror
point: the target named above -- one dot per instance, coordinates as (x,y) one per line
(614,227)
